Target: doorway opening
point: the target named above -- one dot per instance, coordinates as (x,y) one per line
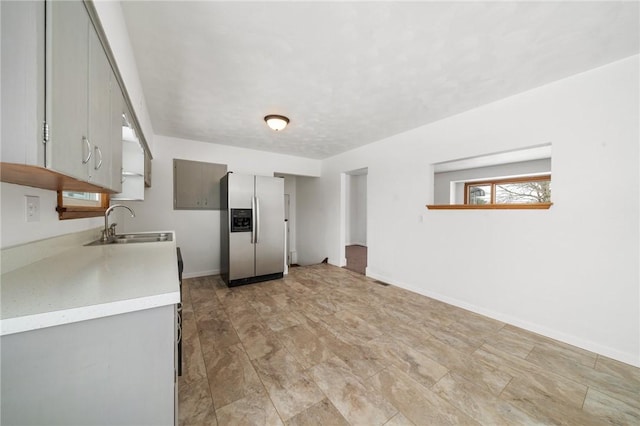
(355,224)
(290,254)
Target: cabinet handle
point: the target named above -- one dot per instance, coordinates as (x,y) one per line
(179,338)
(86,141)
(98,153)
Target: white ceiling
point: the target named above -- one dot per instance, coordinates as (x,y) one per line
(351,73)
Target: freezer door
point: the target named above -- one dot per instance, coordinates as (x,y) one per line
(241,250)
(269,225)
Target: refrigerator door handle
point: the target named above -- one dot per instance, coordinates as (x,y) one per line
(257,220)
(253,215)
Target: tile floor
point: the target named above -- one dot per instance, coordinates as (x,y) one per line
(326,346)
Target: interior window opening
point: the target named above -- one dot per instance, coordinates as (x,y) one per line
(518,179)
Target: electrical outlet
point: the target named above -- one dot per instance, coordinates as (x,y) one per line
(32,205)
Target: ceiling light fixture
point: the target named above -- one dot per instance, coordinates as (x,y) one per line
(276,122)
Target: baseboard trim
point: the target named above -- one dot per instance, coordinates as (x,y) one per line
(627,358)
(200,273)
(356,243)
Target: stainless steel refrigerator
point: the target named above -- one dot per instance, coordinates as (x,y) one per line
(251,228)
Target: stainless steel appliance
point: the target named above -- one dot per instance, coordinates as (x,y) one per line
(252,228)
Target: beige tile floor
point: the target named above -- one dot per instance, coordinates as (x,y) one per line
(326,346)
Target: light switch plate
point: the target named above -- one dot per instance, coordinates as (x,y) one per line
(32,208)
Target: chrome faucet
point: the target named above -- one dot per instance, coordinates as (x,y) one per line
(107,233)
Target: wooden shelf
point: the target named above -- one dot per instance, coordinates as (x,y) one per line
(537,206)
(40,177)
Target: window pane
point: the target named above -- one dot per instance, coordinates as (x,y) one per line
(524,192)
(89,196)
(89,199)
(479,194)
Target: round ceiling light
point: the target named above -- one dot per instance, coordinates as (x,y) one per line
(276,122)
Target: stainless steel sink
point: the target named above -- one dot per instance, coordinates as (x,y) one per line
(143,238)
(146,237)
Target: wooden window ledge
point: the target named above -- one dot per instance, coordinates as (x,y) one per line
(536,206)
(40,177)
(79,212)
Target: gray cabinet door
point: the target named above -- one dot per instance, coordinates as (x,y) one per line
(117,106)
(187,176)
(67,87)
(22,81)
(81,87)
(270,225)
(196,185)
(116,370)
(100,134)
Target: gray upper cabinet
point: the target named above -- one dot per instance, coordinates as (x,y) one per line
(56,70)
(118,109)
(196,185)
(69,148)
(80,91)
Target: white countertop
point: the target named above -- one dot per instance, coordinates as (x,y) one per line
(89,282)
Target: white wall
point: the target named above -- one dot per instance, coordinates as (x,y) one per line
(198,232)
(570,272)
(356,210)
(14,226)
